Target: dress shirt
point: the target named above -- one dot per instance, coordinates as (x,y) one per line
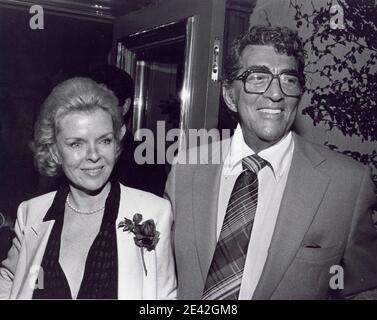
(271,185)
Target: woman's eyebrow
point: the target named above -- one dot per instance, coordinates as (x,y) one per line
(105,135)
(74,138)
(82,139)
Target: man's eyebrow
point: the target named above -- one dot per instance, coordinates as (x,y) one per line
(267,69)
(258,68)
(290,71)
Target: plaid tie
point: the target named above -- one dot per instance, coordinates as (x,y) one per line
(225,273)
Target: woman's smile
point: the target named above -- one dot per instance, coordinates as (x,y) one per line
(93,172)
(86,148)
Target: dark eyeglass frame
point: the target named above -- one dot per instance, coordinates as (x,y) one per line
(243,77)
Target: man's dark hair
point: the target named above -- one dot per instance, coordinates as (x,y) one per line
(118,81)
(284,40)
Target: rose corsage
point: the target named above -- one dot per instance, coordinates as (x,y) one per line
(146,235)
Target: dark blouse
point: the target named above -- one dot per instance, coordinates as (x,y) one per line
(100,280)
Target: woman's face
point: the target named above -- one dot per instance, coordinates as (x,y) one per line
(86,148)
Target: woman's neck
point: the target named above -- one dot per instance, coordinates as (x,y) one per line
(86,201)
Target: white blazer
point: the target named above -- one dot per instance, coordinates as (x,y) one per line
(19,271)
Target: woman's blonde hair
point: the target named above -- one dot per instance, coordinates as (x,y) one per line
(72,95)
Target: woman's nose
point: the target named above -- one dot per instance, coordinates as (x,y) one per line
(93,154)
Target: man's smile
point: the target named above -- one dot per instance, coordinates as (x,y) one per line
(270,111)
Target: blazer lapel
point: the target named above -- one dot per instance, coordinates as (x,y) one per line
(304,191)
(35,242)
(129,256)
(130,276)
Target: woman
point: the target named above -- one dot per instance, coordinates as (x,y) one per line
(92,238)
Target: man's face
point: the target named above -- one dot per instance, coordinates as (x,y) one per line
(264,118)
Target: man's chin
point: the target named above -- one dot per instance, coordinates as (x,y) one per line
(270,139)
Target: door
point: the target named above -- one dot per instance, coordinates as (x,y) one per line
(173,52)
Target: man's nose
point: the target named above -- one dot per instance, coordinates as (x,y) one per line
(274,92)
(92,153)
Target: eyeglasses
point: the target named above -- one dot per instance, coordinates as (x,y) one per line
(258,81)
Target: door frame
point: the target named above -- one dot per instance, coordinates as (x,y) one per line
(209,16)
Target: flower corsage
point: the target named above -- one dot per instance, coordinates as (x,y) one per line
(146,235)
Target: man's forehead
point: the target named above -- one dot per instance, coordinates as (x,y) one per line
(266,55)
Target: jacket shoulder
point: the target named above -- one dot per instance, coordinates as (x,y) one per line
(333,159)
(146,202)
(34,209)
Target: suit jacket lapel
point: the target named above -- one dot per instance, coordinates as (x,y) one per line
(205,213)
(304,191)
(206,186)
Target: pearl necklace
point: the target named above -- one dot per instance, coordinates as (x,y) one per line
(82,212)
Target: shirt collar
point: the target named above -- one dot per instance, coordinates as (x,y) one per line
(278,155)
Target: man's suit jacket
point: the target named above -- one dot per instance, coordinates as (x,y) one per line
(325,219)
(19,271)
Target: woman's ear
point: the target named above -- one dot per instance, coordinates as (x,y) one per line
(54,154)
(228,95)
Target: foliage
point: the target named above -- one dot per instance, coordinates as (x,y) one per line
(346,98)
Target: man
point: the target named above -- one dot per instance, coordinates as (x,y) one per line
(147,177)
(121,83)
(278,217)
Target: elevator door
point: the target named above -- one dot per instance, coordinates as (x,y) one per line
(173,52)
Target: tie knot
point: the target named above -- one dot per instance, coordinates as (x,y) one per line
(253,163)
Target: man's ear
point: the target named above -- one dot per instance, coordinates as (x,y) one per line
(123,130)
(118,149)
(228,95)
(54,154)
(126,106)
